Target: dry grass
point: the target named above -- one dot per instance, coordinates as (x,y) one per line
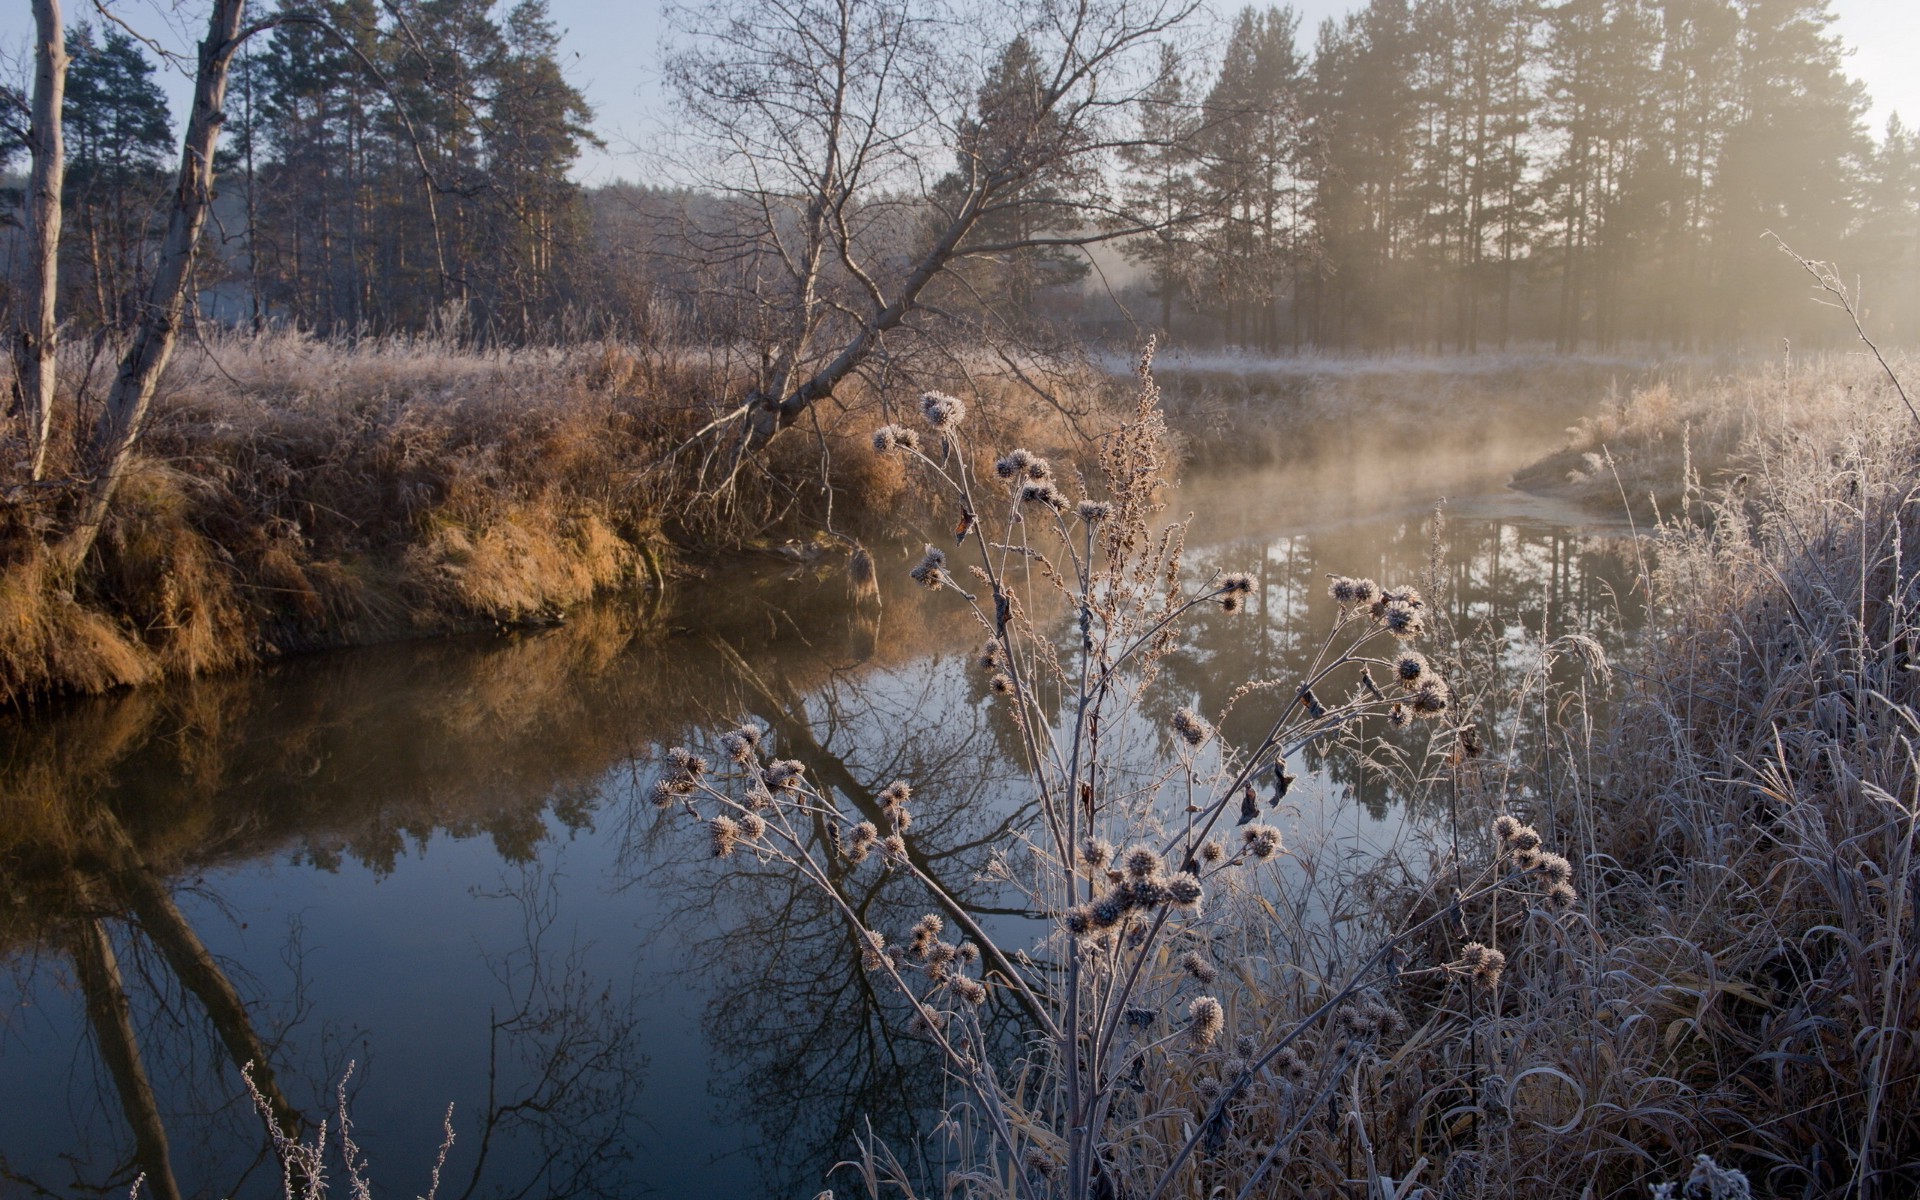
(297,494)
(1738,975)
(1657,441)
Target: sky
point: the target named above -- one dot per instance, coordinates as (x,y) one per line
(614,53)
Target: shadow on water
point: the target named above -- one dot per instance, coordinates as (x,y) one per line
(439,861)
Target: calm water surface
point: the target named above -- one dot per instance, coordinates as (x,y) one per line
(436,862)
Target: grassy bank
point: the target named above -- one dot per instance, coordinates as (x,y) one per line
(296,495)
(1659,439)
(1745,979)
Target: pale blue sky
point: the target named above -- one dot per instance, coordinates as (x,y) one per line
(615,46)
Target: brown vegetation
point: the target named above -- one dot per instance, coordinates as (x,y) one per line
(296,494)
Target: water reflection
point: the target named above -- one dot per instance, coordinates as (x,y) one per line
(438,860)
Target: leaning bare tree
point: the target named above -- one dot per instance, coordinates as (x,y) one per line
(164,305)
(867,152)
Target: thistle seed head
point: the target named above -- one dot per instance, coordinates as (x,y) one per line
(1142,863)
(1346,590)
(752,827)
(1213,852)
(895,437)
(1094,511)
(1001,685)
(1431,697)
(1144,893)
(931,571)
(668,790)
(1012,463)
(993,655)
(1098,852)
(1402,620)
(897,792)
(1045,493)
(942,412)
(726,834)
(1205,1021)
(1290,1066)
(687,763)
(1106,912)
(1483,963)
(1192,728)
(1184,891)
(1409,666)
(1263,841)
(784,774)
(1555,868)
(1198,968)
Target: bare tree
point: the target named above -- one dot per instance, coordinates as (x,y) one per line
(869,149)
(36,327)
(165,303)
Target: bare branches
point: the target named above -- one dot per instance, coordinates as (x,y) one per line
(1826,276)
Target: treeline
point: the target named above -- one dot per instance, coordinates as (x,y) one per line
(1456,174)
(382,167)
(1452,175)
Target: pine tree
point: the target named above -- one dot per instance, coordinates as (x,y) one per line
(1013,131)
(119,138)
(1161,181)
(536,126)
(1790,165)
(1254,171)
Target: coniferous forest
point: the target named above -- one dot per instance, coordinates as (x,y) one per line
(1445,175)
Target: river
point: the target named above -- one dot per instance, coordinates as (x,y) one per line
(437,862)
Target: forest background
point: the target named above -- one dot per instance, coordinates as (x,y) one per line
(1457,175)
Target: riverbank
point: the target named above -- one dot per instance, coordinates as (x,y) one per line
(1743,979)
(1659,444)
(297,495)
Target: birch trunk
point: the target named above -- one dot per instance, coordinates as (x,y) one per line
(111,1016)
(37,330)
(158,326)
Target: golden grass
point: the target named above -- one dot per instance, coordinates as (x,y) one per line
(297,494)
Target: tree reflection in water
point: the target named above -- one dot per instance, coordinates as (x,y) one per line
(126,822)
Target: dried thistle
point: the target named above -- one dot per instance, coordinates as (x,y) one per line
(1205,1020)
(895,437)
(1142,863)
(1263,841)
(941,411)
(1191,726)
(931,571)
(1197,967)
(1184,891)
(1482,963)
